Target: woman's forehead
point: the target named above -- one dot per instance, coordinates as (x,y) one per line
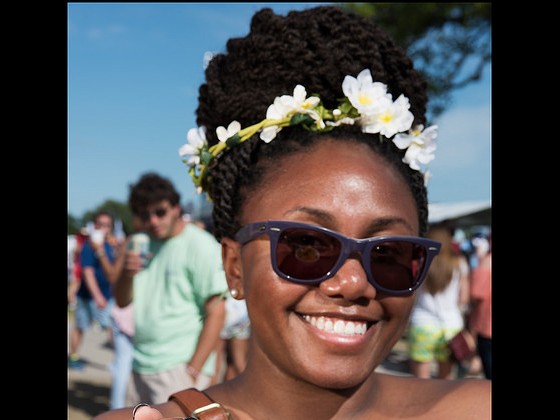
(345,180)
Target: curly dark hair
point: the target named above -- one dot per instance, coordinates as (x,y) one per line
(151,188)
(316,48)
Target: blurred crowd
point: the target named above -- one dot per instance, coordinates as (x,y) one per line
(455,299)
(160,295)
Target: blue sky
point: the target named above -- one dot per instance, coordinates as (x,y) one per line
(133,75)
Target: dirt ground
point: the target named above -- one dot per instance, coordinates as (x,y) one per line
(88,389)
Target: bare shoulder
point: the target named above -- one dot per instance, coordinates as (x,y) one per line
(466,399)
(472,397)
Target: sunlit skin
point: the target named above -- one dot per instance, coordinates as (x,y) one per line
(359,196)
(348,188)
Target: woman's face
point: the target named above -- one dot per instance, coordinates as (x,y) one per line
(349,189)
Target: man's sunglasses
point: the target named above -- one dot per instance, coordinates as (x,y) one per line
(309,254)
(159,212)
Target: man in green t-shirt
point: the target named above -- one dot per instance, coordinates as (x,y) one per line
(177,292)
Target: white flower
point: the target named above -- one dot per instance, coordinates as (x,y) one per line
(393,118)
(420,145)
(269,133)
(299,103)
(190,152)
(366,103)
(285,106)
(365,94)
(224,134)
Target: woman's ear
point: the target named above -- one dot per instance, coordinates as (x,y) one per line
(231,258)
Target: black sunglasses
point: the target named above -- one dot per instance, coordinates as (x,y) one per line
(159,212)
(309,254)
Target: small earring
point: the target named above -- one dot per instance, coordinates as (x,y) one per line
(234,292)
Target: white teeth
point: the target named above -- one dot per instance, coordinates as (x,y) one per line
(337,326)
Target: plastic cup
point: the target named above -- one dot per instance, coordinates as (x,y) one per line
(98,237)
(140,244)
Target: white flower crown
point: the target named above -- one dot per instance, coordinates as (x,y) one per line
(366,103)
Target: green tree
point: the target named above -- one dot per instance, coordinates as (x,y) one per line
(121,211)
(73,224)
(450,43)
(116,209)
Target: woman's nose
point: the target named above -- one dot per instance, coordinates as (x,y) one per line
(349,281)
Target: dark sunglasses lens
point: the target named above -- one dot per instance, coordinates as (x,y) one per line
(160,212)
(145,216)
(397,265)
(306,254)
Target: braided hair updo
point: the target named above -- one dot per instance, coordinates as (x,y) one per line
(316,48)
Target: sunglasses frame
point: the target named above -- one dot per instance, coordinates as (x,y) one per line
(147,215)
(350,246)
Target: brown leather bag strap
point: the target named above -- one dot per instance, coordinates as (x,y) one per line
(199,405)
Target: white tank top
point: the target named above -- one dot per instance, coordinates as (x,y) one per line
(441,309)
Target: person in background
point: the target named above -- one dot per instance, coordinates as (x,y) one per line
(76,275)
(111,260)
(72,245)
(234,340)
(121,365)
(176,294)
(71,279)
(439,309)
(480,246)
(310,145)
(94,299)
(480,320)
(122,391)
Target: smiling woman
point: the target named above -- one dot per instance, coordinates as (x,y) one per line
(313,144)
